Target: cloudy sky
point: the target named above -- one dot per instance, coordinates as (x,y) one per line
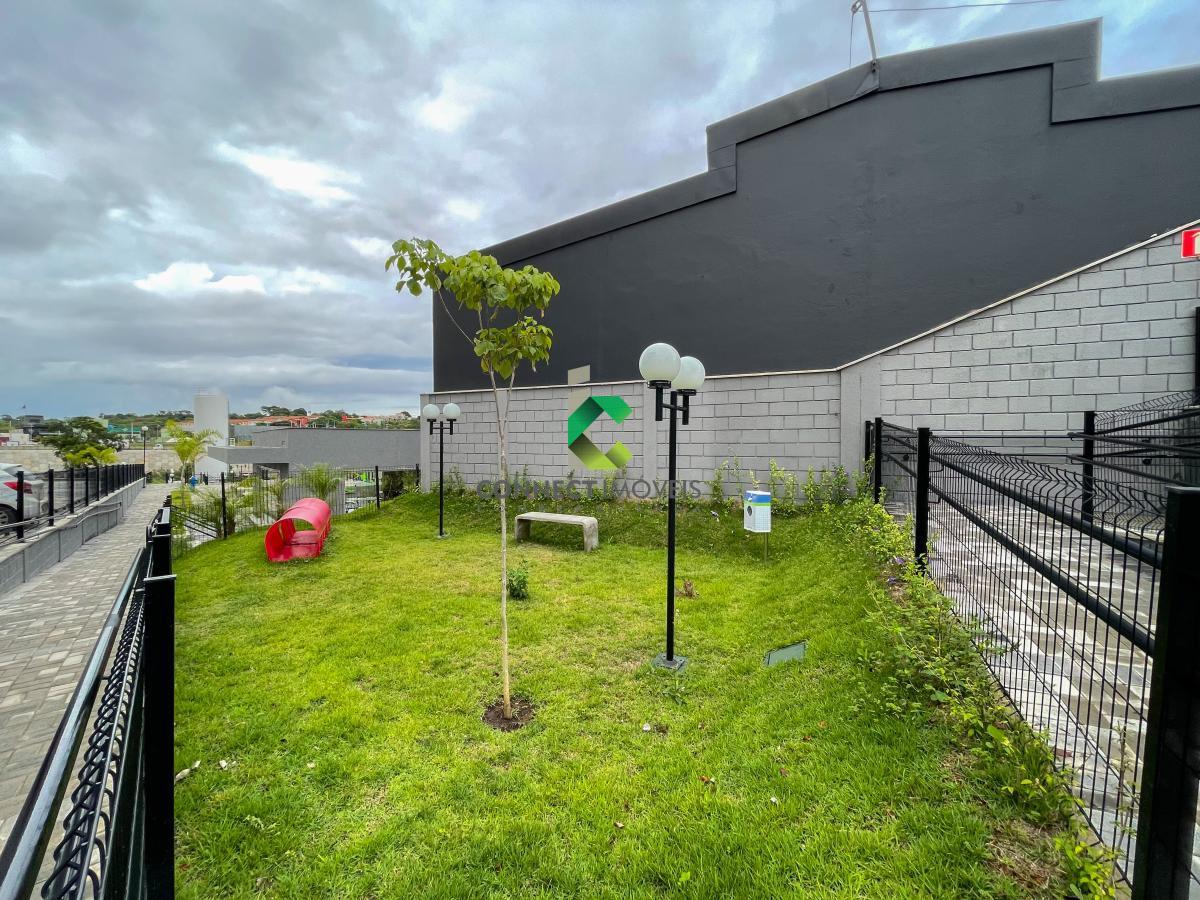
(198,194)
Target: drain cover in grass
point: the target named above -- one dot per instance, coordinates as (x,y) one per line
(794,651)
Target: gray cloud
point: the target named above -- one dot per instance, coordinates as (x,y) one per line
(273,145)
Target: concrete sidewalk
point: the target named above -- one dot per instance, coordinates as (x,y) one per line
(48,627)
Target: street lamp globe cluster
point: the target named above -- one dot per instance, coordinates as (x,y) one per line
(443,419)
(663,368)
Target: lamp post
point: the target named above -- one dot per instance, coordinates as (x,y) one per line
(144,430)
(662,367)
(442,418)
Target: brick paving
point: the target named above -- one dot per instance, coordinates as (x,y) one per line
(48,627)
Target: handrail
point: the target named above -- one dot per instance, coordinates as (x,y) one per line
(26,846)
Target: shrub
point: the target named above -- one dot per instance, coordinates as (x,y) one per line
(518,582)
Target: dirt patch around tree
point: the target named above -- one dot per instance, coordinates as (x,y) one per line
(522,714)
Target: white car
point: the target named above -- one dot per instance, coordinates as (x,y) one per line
(36,504)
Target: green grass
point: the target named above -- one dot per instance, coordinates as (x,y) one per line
(345,695)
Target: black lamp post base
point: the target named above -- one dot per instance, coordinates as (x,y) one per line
(673,665)
(443,535)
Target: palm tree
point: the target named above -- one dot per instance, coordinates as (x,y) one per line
(321,481)
(189,446)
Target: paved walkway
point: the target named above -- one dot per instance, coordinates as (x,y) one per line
(48,627)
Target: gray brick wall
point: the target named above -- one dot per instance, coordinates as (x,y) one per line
(1116,333)
(790,418)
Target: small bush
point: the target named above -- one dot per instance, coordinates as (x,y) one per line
(518,582)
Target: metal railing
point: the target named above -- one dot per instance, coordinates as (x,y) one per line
(1080,595)
(1150,445)
(234,503)
(36,499)
(119,817)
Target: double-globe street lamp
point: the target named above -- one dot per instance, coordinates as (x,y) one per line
(442,418)
(663,367)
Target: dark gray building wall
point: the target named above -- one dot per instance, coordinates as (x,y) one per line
(868,208)
(346,447)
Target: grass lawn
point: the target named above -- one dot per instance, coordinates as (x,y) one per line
(345,695)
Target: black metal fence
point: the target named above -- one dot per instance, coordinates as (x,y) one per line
(35,499)
(119,817)
(1081,595)
(1149,445)
(235,503)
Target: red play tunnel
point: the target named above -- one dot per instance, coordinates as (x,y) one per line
(284,541)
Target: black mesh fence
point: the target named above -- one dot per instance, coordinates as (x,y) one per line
(1066,579)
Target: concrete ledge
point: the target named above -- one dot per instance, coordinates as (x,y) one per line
(19,563)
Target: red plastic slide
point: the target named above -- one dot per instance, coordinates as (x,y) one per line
(284,542)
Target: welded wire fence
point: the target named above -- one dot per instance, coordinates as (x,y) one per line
(1149,445)
(1060,577)
(231,504)
(35,499)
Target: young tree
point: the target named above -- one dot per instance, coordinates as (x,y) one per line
(502,300)
(189,446)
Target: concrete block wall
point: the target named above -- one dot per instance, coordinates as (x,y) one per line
(791,418)
(1118,332)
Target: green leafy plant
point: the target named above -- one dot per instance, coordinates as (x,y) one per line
(81,441)
(518,582)
(320,481)
(90,455)
(1089,867)
(929,664)
(391,484)
(504,302)
(783,486)
(189,446)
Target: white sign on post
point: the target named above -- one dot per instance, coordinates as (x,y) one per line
(757,509)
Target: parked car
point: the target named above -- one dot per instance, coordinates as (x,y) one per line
(36,504)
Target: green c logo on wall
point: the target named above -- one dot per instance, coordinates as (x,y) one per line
(579,422)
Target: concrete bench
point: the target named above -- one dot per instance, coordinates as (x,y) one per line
(591,528)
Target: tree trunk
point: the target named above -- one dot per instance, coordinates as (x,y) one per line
(502,459)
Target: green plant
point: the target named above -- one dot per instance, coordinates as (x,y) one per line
(502,300)
(82,441)
(1089,867)
(189,446)
(391,484)
(320,481)
(928,662)
(90,455)
(783,486)
(455,483)
(716,484)
(518,582)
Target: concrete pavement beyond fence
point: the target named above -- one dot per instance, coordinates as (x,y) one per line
(48,626)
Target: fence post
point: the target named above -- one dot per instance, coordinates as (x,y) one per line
(877,475)
(50,493)
(224,510)
(71,490)
(417,476)
(1167,809)
(1088,499)
(868,443)
(921,530)
(159,679)
(20,504)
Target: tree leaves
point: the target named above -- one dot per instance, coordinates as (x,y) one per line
(477,282)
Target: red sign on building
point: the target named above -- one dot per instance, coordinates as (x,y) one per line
(1191,243)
